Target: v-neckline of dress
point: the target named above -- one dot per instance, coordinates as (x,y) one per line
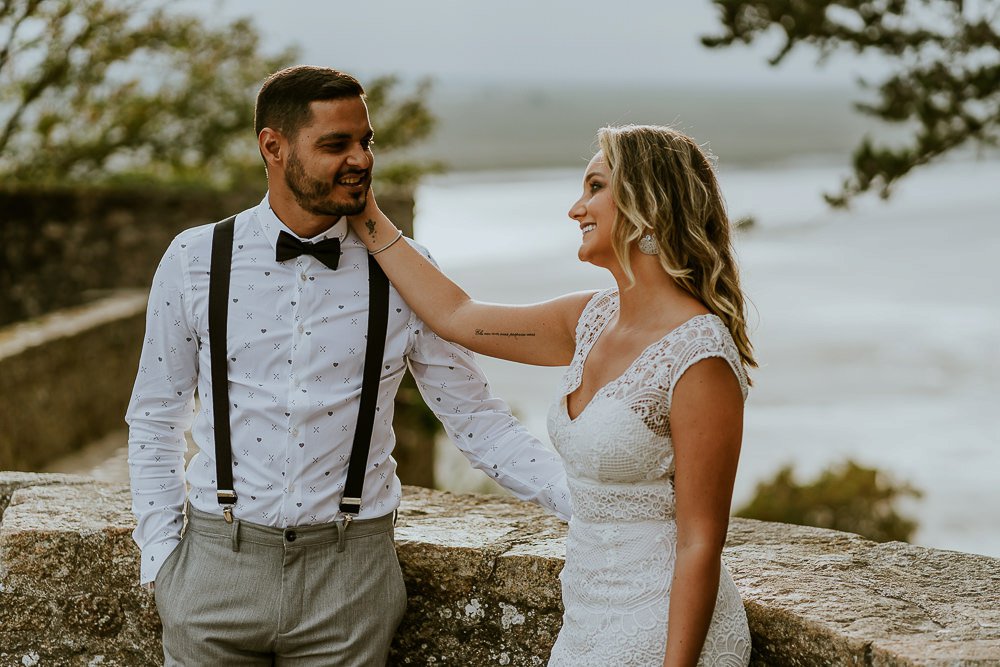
(602,388)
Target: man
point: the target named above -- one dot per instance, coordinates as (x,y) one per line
(278,573)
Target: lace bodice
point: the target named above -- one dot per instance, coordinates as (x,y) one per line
(622,540)
(617,452)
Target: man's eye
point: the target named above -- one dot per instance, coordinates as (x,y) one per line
(367,143)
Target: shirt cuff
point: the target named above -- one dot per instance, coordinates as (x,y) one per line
(153,557)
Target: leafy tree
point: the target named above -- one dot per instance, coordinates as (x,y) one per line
(99,90)
(946,69)
(847,497)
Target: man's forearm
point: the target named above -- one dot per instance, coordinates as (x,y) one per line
(526,468)
(156,473)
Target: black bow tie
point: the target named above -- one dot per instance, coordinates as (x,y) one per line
(326,251)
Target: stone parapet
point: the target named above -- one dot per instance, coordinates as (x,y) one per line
(66,377)
(482,577)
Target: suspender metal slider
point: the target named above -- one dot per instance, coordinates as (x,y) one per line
(227,498)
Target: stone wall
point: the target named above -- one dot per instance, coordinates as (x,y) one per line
(66,378)
(61,246)
(482,577)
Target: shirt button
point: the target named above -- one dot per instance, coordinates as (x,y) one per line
(301,328)
(295,431)
(302,276)
(290,535)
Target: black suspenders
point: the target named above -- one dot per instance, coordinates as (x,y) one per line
(378,321)
(218,312)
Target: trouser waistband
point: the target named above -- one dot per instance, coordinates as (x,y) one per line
(293,536)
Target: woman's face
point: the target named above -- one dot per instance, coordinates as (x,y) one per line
(595,212)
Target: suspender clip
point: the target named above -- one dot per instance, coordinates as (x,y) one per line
(227,513)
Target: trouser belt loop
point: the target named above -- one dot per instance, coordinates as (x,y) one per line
(341,525)
(236,534)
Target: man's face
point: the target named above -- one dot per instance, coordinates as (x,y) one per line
(330,160)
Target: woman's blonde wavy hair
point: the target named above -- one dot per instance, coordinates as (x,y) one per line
(664,185)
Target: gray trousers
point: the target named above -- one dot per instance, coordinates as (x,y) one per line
(245,594)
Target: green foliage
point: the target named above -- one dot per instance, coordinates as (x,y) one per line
(847,497)
(944,85)
(95,88)
(127,91)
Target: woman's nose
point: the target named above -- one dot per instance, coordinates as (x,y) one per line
(577,210)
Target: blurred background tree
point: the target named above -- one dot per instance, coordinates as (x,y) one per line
(945,79)
(99,91)
(846,497)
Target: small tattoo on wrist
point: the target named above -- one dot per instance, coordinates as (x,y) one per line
(506,334)
(371,228)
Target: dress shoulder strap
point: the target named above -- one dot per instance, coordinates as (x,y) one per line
(588,328)
(592,319)
(708,337)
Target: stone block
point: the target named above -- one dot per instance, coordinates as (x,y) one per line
(818,597)
(68,573)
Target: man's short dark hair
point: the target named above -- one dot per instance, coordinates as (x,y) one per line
(283,100)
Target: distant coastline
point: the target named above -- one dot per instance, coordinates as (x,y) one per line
(511,126)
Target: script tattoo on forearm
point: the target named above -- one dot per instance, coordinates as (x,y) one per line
(505,334)
(371,228)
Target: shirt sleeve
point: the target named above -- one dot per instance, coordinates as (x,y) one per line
(159,413)
(482,426)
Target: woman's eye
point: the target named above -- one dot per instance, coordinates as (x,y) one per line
(594,187)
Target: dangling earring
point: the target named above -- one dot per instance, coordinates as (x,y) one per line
(647,245)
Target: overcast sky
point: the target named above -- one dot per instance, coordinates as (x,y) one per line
(647,41)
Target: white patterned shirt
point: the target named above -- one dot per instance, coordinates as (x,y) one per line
(296,347)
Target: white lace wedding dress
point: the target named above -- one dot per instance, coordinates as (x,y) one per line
(622,539)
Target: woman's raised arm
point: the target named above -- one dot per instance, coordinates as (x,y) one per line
(542,334)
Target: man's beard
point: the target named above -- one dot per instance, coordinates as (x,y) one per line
(313,195)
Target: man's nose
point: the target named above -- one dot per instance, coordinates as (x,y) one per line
(360,158)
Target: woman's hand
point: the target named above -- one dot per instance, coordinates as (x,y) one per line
(371,225)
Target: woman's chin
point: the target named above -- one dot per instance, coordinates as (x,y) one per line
(588,254)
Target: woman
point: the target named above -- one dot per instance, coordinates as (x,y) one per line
(650,412)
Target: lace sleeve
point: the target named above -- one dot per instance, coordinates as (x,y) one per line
(704,342)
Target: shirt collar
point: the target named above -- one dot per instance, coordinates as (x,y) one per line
(271,225)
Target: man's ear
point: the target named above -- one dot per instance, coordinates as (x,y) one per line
(272,147)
